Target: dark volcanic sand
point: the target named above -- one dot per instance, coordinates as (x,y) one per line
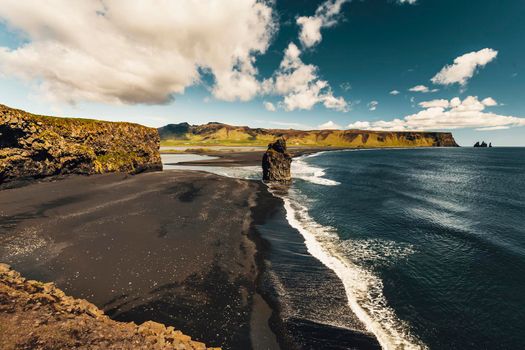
(172,247)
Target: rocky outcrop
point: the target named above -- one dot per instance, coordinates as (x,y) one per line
(35,315)
(33,146)
(276,162)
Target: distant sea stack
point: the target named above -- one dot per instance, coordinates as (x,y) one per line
(276,162)
(482,144)
(33,146)
(210,134)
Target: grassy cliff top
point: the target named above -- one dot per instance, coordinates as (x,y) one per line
(218,134)
(6,111)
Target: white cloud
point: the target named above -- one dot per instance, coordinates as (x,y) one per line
(300,84)
(410,2)
(492,128)
(453,114)
(489,102)
(464,67)
(269,106)
(422,88)
(325,16)
(336,103)
(359,125)
(329,125)
(435,103)
(372,106)
(140,51)
(394,92)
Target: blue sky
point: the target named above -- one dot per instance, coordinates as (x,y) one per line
(312,61)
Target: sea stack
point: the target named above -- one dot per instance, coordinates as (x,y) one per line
(482,144)
(276,162)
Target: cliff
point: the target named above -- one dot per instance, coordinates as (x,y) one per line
(222,134)
(35,315)
(33,146)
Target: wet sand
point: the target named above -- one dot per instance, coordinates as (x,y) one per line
(311,308)
(175,247)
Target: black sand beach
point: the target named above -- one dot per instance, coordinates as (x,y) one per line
(213,256)
(172,247)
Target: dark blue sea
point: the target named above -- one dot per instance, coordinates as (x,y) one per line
(428,243)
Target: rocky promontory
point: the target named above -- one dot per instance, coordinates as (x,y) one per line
(35,315)
(33,146)
(276,162)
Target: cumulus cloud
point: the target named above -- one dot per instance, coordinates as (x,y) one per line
(372,105)
(422,88)
(325,16)
(394,92)
(300,84)
(448,114)
(435,103)
(269,106)
(464,67)
(138,51)
(410,2)
(329,125)
(363,125)
(489,102)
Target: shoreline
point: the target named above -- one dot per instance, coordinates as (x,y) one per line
(263,208)
(243,158)
(313,294)
(233,158)
(358,335)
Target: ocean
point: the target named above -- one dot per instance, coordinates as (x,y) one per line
(428,243)
(421,248)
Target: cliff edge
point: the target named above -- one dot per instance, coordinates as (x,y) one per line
(35,315)
(33,146)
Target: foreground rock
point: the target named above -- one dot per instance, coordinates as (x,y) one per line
(276,162)
(35,315)
(33,146)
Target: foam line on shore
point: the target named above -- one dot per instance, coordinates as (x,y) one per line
(310,173)
(363,289)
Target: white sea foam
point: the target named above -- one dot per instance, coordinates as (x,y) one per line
(304,171)
(364,290)
(300,170)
